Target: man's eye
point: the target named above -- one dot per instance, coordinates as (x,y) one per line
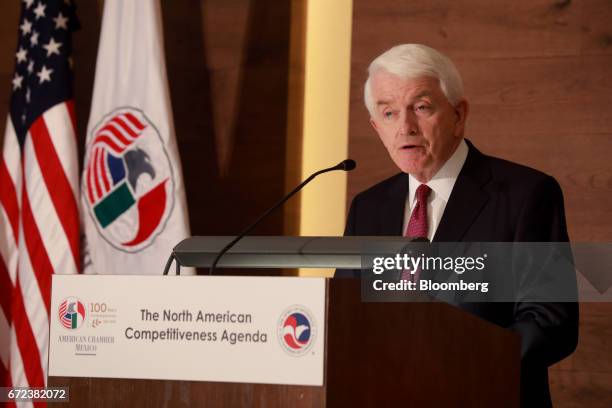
(387,114)
(422,108)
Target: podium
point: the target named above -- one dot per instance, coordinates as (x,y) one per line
(376,354)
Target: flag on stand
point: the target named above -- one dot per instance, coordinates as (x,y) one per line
(132,193)
(39,218)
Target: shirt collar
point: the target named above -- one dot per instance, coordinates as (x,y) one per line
(443,181)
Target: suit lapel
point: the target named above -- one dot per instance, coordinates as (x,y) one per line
(392,217)
(467,198)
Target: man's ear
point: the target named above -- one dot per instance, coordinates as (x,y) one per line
(461,111)
(373,123)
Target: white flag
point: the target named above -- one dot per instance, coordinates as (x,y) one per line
(133,196)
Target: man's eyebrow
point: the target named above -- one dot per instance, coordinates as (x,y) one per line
(422,94)
(416,97)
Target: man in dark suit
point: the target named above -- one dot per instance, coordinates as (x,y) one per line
(449,191)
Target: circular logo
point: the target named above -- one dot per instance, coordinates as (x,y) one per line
(296,330)
(71,313)
(128,184)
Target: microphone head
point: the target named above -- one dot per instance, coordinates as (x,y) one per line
(348,165)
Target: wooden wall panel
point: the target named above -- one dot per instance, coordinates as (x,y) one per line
(228,67)
(538,77)
(471,27)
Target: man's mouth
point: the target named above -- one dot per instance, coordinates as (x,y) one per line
(409,147)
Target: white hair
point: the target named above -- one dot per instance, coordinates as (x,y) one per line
(411,61)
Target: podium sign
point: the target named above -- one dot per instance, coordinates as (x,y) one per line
(223,329)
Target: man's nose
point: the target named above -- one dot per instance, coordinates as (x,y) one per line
(409,124)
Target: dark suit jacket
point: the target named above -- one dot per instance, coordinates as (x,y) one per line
(493,200)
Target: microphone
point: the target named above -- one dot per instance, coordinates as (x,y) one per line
(345,165)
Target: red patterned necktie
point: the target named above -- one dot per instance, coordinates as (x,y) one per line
(417,226)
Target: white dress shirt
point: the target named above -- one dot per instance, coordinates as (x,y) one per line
(441,185)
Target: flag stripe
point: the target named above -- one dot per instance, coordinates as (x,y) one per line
(102,171)
(16,362)
(98,170)
(134,121)
(107,175)
(52,232)
(89,180)
(118,142)
(124,126)
(36,251)
(72,115)
(26,341)
(5,342)
(5,378)
(3,374)
(6,288)
(8,244)
(7,371)
(12,155)
(8,241)
(8,197)
(96,179)
(35,308)
(58,185)
(135,128)
(61,133)
(104,139)
(111,127)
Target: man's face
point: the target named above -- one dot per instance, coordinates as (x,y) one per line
(416,122)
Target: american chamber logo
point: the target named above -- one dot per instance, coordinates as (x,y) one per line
(297,330)
(90,339)
(128,185)
(72,313)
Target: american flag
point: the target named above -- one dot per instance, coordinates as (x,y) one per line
(39,224)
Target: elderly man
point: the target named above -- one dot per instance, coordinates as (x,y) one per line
(449,191)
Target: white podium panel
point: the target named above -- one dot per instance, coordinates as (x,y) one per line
(198,328)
